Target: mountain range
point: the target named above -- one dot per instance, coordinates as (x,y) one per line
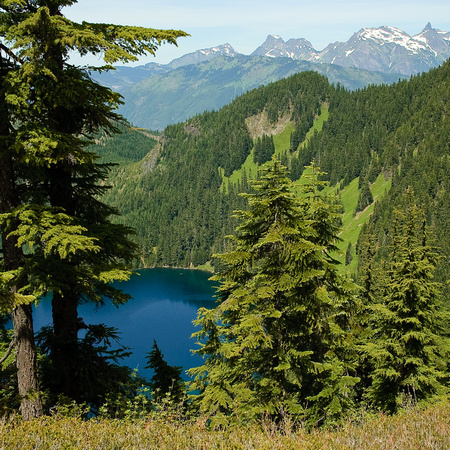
(179,94)
(157,95)
(384,49)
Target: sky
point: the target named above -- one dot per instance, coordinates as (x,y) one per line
(245,24)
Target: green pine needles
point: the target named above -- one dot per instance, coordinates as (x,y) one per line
(407,347)
(276,342)
(56,235)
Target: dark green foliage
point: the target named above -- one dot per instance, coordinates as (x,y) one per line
(406,346)
(296,169)
(128,146)
(98,373)
(302,127)
(365,196)
(274,344)
(9,400)
(348,254)
(166,379)
(417,155)
(263,149)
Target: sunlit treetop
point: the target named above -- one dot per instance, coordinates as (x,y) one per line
(32,28)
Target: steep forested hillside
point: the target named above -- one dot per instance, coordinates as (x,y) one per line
(180,195)
(128,146)
(173,195)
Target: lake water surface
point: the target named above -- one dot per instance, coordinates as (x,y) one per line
(165,302)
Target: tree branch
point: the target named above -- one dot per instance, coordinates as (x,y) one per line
(10,53)
(8,352)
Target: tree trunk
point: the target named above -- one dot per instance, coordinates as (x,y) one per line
(65,303)
(65,347)
(30,404)
(27,377)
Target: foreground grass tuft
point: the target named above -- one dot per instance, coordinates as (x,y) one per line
(413,428)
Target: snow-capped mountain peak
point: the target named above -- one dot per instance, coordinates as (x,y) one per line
(386,49)
(202,55)
(275,47)
(392,36)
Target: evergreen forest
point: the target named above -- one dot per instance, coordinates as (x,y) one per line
(322,214)
(181,196)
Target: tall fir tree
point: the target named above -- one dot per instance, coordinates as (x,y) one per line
(365,196)
(12,297)
(274,343)
(407,347)
(54,108)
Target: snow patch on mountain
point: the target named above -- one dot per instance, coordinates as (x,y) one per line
(386,49)
(391,35)
(203,55)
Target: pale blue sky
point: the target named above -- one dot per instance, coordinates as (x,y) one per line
(245,24)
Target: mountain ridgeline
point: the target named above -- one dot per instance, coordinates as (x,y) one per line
(174,96)
(181,195)
(158,95)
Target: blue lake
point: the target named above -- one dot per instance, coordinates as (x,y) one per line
(165,302)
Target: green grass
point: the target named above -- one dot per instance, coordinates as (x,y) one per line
(207,267)
(282,143)
(414,428)
(351,223)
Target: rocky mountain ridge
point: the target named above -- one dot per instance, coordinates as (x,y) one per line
(383,49)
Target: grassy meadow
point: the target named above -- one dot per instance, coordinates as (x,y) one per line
(413,428)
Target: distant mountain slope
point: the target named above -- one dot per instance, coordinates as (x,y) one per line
(384,49)
(188,90)
(124,77)
(180,196)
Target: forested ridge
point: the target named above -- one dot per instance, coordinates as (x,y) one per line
(399,132)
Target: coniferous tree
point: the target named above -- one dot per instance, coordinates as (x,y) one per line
(348,254)
(407,347)
(49,194)
(166,379)
(274,343)
(98,367)
(365,196)
(264,149)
